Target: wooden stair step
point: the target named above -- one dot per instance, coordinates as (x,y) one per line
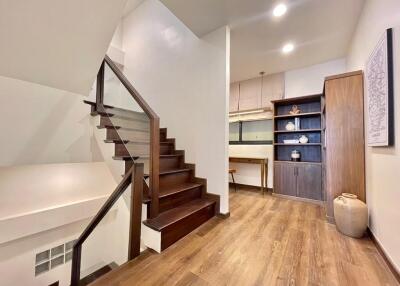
(121,116)
(174,171)
(165,192)
(117,111)
(110,126)
(126,123)
(125,158)
(168,218)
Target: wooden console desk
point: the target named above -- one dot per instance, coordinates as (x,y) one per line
(263,162)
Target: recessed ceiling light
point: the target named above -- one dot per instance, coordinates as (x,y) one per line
(279,10)
(289,47)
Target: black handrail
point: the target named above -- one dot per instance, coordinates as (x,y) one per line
(135,177)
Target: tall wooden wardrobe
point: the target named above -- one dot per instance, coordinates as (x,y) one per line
(344,162)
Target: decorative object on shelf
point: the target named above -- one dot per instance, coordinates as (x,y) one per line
(291,141)
(303,139)
(380,93)
(297,123)
(295,110)
(295,156)
(351,215)
(290,126)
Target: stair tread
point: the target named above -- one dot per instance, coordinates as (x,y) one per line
(125,117)
(173,171)
(174,215)
(170,155)
(177,189)
(122,128)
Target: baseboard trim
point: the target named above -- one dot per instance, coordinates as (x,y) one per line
(304,200)
(248,187)
(224,216)
(388,262)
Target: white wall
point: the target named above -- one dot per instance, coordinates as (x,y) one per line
(41,125)
(53,208)
(249,174)
(186,81)
(310,80)
(382,164)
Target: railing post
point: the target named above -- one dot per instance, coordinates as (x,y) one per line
(154,165)
(100,87)
(76,265)
(136,210)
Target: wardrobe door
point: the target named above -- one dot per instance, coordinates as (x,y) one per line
(344,137)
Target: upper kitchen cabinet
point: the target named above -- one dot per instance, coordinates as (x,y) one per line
(256,92)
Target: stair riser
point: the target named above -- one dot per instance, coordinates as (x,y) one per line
(138,125)
(113,134)
(128,114)
(170,163)
(174,179)
(166,149)
(163,135)
(131,150)
(175,231)
(178,199)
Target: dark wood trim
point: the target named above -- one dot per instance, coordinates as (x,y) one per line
(154,166)
(77,249)
(249,187)
(154,136)
(389,263)
(99,88)
(134,93)
(297,99)
(359,72)
(267,142)
(136,211)
(224,216)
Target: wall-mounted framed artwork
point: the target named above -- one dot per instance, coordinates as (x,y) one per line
(380,93)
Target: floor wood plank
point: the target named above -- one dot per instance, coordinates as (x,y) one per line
(266,241)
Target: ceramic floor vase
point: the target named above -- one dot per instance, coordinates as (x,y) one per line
(351,215)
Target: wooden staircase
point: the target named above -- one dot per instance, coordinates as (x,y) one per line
(184,203)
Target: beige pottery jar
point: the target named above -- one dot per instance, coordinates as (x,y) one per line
(351,215)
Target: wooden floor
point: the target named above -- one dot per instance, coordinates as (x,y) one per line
(266,241)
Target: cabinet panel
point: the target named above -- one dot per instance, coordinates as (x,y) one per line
(285,179)
(309,178)
(344,137)
(250,94)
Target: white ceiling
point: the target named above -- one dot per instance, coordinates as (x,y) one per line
(320,29)
(57,43)
(131,5)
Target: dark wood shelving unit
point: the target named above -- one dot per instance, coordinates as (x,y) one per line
(298,131)
(303,179)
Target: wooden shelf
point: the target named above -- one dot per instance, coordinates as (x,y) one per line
(298,144)
(306,114)
(298,131)
(300,162)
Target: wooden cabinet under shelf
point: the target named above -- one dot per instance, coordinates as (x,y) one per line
(303,180)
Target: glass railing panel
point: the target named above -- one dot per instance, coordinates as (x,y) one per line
(107,246)
(131,123)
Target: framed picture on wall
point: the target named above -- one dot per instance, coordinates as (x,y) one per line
(380,93)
